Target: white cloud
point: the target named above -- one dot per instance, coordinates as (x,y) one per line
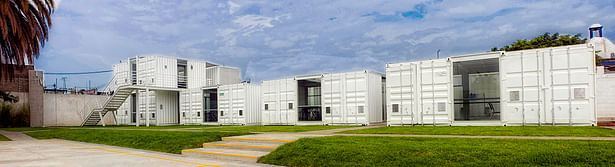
(232,7)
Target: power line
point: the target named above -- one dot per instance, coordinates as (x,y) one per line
(77,73)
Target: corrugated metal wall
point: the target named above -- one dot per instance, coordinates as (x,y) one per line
(401,94)
(548,86)
(191,106)
(277,95)
(352,98)
(196,74)
(157,71)
(121,74)
(239,104)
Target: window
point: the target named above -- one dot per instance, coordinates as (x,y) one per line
(290,106)
(125,112)
(395,108)
(328,110)
(579,93)
(514,95)
(165,66)
(198,114)
(240,112)
(266,106)
(221,113)
(183,114)
(190,67)
(441,107)
(360,109)
(140,115)
(152,80)
(153,115)
(160,106)
(140,81)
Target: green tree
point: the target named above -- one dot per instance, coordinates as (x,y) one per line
(543,41)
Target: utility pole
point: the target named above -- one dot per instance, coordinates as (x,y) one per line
(438,54)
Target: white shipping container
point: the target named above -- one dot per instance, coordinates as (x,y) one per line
(539,86)
(121,75)
(220,75)
(352,98)
(157,71)
(239,104)
(191,106)
(549,86)
(163,107)
(196,72)
(279,102)
(419,92)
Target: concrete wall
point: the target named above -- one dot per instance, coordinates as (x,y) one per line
(35,97)
(71,110)
(605,97)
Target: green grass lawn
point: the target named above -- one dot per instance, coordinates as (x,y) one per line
(152,127)
(273,128)
(492,130)
(4,138)
(408,151)
(22,129)
(165,141)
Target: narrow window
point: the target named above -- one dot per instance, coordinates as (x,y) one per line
(395,107)
(153,115)
(125,112)
(266,106)
(221,113)
(328,110)
(290,106)
(198,114)
(161,107)
(140,115)
(360,109)
(183,114)
(240,112)
(152,80)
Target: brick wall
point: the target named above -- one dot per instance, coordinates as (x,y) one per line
(18,82)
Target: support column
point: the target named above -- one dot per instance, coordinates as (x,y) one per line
(147,107)
(137,114)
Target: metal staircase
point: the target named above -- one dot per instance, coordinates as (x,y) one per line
(112,104)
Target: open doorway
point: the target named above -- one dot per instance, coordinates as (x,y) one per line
(210,105)
(476,87)
(309,100)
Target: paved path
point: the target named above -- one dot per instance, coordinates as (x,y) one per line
(26,151)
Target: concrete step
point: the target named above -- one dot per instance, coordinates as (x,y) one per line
(225,154)
(242,145)
(247,139)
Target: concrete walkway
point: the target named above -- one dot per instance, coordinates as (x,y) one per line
(26,151)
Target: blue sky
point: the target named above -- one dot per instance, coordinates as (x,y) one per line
(281,38)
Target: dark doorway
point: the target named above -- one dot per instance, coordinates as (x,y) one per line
(476,87)
(309,100)
(210,105)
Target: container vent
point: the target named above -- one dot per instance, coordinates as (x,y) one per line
(579,93)
(441,107)
(360,109)
(514,95)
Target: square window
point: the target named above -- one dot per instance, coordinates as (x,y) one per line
(290,106)
(240,112)
(514,95)
(266,106)
(395,108)
(360,109)
(328,110)
(579,93)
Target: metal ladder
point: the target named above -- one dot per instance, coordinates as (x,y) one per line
(112,104)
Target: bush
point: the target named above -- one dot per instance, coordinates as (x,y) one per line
(11,116)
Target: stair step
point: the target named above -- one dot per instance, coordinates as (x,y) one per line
(242,145)
(256,140)
(226,154)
